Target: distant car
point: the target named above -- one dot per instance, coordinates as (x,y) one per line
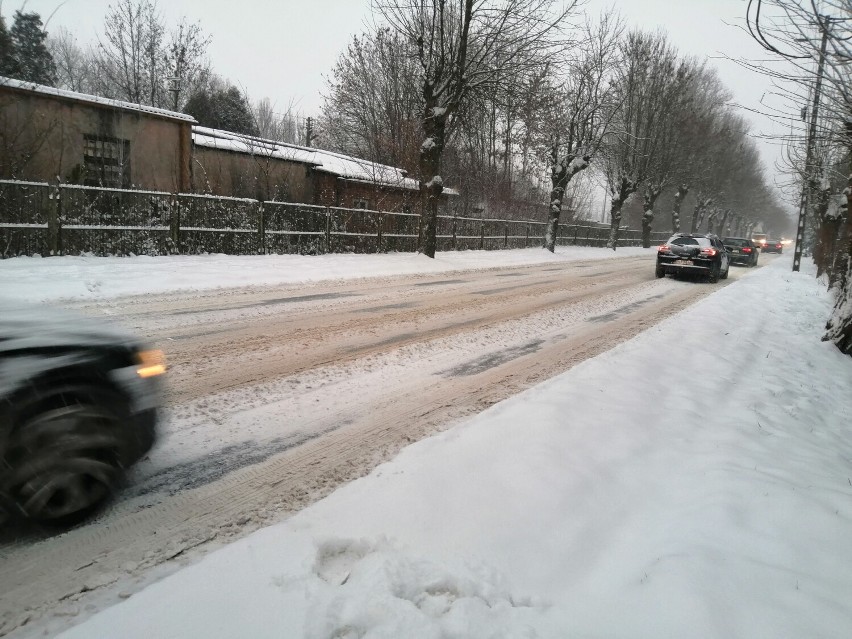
(741,250)
(693,254)
(78,405)
(773,246)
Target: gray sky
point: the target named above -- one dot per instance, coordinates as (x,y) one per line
(281,49)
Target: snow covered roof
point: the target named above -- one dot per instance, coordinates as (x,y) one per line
(94,99)
(239,143)
(343,166)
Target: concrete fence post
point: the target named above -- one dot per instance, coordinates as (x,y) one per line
(54,221)
(174,223)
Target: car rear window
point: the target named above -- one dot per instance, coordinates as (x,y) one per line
(690,241)
(735,241)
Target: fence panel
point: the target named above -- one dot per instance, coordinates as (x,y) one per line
(114,222)
(353,230)
(214,224)
(24,211)
(400,231)
(294,228)
(36,218)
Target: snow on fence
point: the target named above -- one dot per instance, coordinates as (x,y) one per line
(44,219)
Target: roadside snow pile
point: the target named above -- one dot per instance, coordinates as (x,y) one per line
(37,279)
(693,482)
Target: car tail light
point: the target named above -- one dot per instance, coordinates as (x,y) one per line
(747,249)
(663,249)
(709,251)
(777,246)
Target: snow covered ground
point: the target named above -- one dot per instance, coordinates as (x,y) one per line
(695,481)
(89,278)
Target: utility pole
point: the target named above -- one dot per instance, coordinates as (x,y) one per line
(174,89)
(809,155)
(309,131)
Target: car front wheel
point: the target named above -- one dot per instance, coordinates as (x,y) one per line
(64,460)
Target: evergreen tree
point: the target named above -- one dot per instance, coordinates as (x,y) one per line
(33,61)
(7,51)
(222,108)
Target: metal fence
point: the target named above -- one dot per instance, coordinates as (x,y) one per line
(37,218)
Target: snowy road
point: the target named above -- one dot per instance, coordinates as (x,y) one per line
(279,395)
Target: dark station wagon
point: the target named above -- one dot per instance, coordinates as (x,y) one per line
(741,250)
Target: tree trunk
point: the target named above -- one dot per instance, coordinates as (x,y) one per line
(619,193)
(431,183)
(698,212)
(826,233)
(679,197)
(711,219)
(648,201)
(839,325)
(720,230)
(558,179)
(561,172)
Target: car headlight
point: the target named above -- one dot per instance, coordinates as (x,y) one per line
(150,363)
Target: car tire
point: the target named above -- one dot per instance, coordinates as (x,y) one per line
(660,271)
(64,458)
(724,275)
(713,276)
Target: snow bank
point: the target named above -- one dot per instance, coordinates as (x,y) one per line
(37,279)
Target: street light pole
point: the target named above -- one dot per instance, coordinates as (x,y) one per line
(809,155)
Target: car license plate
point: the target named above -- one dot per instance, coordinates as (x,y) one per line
(683,261)
(735,250)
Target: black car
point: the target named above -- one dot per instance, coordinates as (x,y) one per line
(78,405)
(693,254)
(742,250)
(773,246)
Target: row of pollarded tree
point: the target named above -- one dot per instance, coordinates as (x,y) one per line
(811,63)
(502,96)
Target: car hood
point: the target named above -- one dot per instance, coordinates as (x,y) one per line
(25,326)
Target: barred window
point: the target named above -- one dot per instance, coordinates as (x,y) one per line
(361,204)
(107,161)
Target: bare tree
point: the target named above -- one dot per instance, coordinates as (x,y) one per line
(705,104)
(373,102)
(644,81)
(582,109)
(669,161)
(812,42)
(284,126)
(459,43)
(140,61)
(186,65)
(75,69)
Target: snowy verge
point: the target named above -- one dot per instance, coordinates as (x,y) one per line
(695,481)
(36,279)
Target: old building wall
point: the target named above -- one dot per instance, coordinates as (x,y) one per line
(47,138)
(261,177)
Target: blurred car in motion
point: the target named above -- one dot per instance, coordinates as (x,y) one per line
(741,250)
(693,254)
(78,405)
(773,246)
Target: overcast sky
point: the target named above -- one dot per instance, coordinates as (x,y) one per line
(282,49)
